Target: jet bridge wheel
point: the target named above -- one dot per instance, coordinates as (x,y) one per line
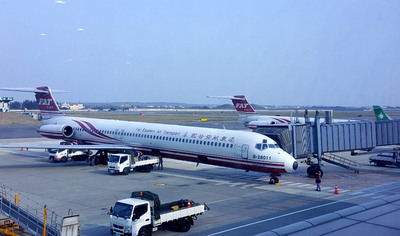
(312,171)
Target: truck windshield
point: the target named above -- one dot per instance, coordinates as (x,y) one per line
(54,150)
(122,210)
(114,158)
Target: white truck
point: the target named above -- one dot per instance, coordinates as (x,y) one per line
(142,214)
(63,155)
(387,158)
(122,163)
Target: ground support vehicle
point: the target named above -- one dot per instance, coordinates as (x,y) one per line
(386,158)
(63,155)
(125,163)
(143,213)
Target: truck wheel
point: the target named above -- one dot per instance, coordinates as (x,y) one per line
(64,159)
(144,232)
(380,163)
(125,171)
(148,169)
(184,225)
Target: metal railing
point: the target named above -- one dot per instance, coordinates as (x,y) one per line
(29,214)
(341,161)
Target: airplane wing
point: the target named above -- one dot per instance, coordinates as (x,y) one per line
(73,147)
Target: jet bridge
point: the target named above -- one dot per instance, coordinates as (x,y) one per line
(318,140)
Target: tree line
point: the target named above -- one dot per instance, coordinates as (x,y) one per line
(27,104)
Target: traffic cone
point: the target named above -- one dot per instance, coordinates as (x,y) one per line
(336,190)
(188,203)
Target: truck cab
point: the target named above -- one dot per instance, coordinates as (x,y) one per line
(122,163)
(129,216)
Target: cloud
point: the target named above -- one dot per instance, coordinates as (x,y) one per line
(80,29)
(59,1)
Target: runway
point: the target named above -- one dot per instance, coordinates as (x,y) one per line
(242,203)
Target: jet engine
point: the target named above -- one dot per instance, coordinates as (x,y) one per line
(56,131)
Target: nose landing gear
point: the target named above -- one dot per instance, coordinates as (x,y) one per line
(274,179)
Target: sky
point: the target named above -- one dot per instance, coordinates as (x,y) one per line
(309,52)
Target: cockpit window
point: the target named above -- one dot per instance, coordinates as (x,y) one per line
(263,145)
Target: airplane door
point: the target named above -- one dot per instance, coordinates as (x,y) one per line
(245,151)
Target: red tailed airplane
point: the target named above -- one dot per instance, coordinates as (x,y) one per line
(230,148)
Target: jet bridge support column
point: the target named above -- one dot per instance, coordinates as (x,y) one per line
(319,144)
(317,140)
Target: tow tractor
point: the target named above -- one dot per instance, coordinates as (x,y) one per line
(122,163)
(143,213)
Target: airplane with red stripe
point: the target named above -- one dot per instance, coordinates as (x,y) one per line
(249,116)
(229,148)
(252,119)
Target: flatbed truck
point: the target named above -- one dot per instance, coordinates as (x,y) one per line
(122,163)
(143,213)
(386,158)
(62,155)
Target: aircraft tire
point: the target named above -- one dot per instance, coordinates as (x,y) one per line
(274,180)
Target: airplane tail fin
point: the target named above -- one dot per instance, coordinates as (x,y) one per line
(241,104)
(380,113)
(47,105)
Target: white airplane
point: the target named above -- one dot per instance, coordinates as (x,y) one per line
(230,148)
(252,119)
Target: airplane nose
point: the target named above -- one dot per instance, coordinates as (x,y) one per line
(291,164)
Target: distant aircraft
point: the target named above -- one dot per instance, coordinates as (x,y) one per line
(380,114)
(252,119)
(249,116)
(230,148)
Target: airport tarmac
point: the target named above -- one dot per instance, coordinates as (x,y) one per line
(242,203)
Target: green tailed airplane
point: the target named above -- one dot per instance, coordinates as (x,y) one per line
(380,114)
